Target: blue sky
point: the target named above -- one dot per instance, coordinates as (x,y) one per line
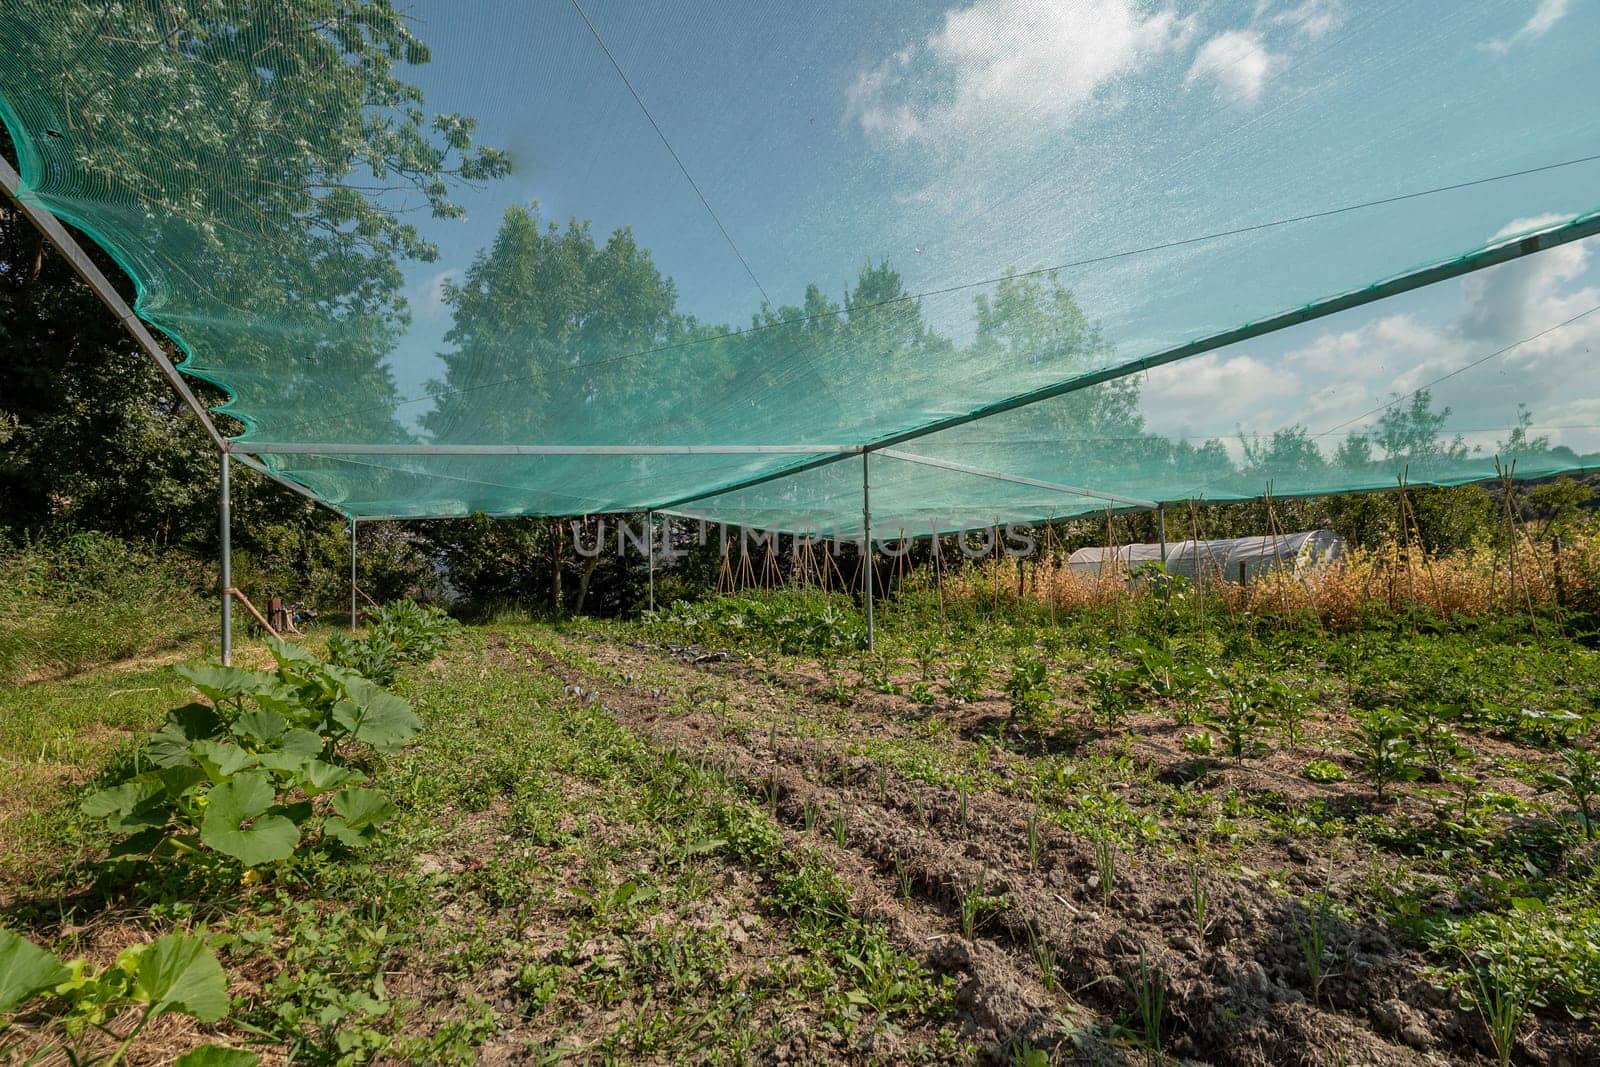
(961,139)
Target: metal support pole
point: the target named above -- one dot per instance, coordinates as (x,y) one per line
(866,546)
(1166,579)
(352,574)
(650,553)
(224,528)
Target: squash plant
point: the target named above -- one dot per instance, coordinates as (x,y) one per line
(244,775)
(172,975)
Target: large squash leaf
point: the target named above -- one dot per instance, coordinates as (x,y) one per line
(178,973)
(361,812)
(220,760)
(225,683)
(25,970)
(376,716)
(237,822)
(169,746)
(137,804)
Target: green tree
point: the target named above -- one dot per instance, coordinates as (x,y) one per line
(549,336)
(253,165)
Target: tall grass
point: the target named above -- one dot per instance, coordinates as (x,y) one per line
(85,599)
(1472,583)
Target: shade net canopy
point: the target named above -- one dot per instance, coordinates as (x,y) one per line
(569,257)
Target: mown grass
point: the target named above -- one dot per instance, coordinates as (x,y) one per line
(554,887)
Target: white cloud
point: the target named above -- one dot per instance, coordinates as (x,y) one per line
(1312,19)
(1324,377)
(1009,60)
(1238,62)
(426,295)
(1545,16)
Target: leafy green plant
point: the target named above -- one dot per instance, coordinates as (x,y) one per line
(1029,690)
(1533,954)
(604,903)
(398,633)
(1435,736)
(1288,708)
(967,681)
(1108,696)
(373,656)
(1026,1054)
(922,693)
(839,691)
(172,975)
(1576,776)
(1383,740)
(1241,718)
(794,622)
(1321,770)
(1199,743)
(247,780)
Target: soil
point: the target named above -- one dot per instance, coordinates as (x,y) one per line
(1236,997)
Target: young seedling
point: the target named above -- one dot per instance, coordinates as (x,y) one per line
(1502,1002)
(1035,840)
(840,830)
(1105,863)
(1045,958)
(1149,988)
(1200,904)
(902,872)
(973,905)
(961,792)
(808,814)
(1313,936)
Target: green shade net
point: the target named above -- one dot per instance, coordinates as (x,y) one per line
(815,227)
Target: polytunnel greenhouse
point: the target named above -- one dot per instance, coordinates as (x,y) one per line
(1240,559)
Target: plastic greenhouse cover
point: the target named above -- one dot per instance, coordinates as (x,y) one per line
(833,226)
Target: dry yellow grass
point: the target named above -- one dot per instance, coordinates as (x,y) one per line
(1474,582)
